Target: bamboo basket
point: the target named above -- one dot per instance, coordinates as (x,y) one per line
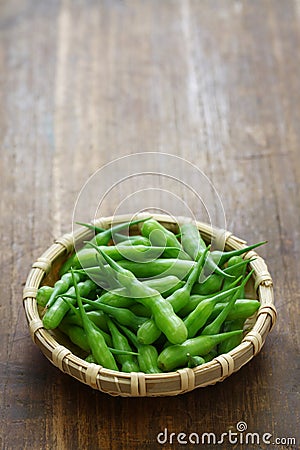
(68,358)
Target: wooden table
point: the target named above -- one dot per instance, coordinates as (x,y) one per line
(85,82)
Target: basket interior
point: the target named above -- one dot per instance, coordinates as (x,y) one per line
(50,279)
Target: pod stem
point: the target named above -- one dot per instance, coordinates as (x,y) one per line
(215,326)
(194,275)
(114,228)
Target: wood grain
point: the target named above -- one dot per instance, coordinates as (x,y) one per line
(85,82)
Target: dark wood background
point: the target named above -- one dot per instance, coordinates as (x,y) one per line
(85,82)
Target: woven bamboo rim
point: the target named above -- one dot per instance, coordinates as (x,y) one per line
(141,384)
